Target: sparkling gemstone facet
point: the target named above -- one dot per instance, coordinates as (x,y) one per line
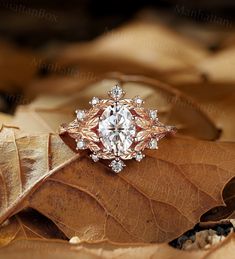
(80,114)
(94,101)
(117,165)
(116,92)
(139,156)
(81,144)
(153,144)
(94,157)
(138,101)
(153,114)
(117,129)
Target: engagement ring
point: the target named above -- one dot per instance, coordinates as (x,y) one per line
(117,129)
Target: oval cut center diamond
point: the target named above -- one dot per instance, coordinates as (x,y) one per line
(117,129)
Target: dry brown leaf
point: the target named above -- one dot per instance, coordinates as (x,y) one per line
(152,201)
(27,225)
(48,112)
(60,84)
(160,52)
(215,69)
(216,96)
(17,178)
(5,119)
(25,249)
(218,102)
(221,212)
(220,67)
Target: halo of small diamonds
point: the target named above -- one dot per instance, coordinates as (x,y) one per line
(117,129)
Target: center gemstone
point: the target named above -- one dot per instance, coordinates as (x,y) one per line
(117,129)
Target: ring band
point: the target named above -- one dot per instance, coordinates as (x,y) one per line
(117,129)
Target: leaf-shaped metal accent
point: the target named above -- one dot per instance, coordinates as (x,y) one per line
(142,123)
(127,102)
(89,135)
(72,126)
(159,130)
(105,103)
(93,147)
(143,134)
(128,155)
(141,145)
(106,155)
(92,123)
(141,112)
(91,113)
(72,129)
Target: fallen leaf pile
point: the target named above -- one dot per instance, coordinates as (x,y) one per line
(50,194)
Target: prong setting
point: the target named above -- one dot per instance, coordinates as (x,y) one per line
(116,93)
(94,157)
(81,144)
(117,165)
(138,101)
(153,114)
(153,144)
(139,156)
(94,101)
(80,115)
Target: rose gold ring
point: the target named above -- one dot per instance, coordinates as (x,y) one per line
(117,129)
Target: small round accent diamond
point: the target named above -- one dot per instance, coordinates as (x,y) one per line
(153,144)
(81,144)
(94,157)
(117,165)
(80,115)
(153,114)
(139,156)
(94,101)
(116,92)
(138,101)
